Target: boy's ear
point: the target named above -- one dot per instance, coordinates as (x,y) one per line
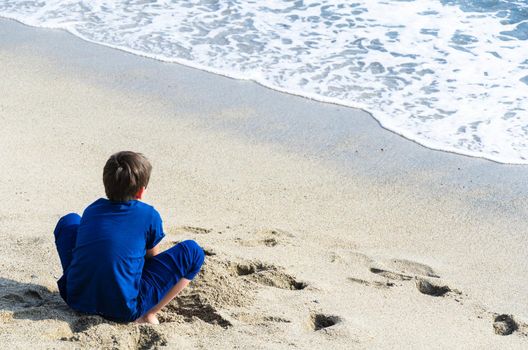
(140,192)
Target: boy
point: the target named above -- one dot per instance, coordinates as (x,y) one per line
(110,257)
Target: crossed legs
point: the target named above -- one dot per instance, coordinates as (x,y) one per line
(165,275)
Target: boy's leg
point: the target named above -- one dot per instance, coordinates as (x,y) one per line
(165,275)
(150,316)
(65,236)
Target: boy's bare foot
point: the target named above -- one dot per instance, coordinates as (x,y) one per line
(148,318)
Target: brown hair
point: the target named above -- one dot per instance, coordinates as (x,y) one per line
(124,174)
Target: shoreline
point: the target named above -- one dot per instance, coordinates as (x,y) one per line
(336,125)
(311,97)
(255,175)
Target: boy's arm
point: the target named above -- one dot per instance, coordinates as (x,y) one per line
(152,252)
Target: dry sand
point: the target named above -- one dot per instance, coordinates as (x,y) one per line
(303,249)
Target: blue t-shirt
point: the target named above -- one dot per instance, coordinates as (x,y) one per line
(105,272)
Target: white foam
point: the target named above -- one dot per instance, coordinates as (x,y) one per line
(430,72)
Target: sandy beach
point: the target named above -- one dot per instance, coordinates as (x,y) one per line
(321,229)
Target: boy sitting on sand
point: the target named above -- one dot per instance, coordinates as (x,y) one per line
(110,256)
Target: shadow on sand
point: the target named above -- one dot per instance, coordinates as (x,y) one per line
(35,302)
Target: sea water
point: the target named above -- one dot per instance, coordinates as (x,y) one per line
(449,74)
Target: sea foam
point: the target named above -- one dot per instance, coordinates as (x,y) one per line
(451,75)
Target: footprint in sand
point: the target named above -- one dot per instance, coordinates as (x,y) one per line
(268,238)
(243,269)
(504,324)
(406,270)
(190,307)
(268,275)
(432,289)
(270,242)
(271,238)
(319,321)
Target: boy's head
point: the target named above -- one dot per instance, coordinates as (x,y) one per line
(125,175)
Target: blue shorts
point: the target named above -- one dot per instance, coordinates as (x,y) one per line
(160,273)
